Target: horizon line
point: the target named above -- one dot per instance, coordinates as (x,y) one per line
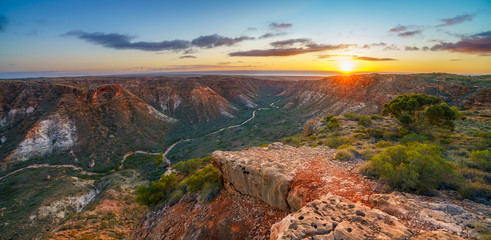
(263,73)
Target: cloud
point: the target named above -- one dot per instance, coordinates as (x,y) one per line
(275,25)
(409,33)
(283,52)
(456,59)
(373,59)
(270,35)
(290,42)
(216,40)
(479,43)
(398,28)
(456,20)
(408,48)
(251,29)
(123,41)
(3,23)
(323,56)
(379,44)
(187,56)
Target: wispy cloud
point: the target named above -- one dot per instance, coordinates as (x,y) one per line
(3,23)
(270,35)
(398,28)
(456,20)
(373,59)
(408,48)
(124,41)
(479,43)
(187,56)
(283,52)
(409,33)
(379,44)
(275,25)
(290,42)
(215,40)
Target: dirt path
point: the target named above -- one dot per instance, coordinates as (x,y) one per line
(82,171)
(238,125)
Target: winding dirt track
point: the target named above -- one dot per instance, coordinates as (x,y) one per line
(49,166)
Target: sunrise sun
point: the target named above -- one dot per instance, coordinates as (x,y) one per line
(346,66)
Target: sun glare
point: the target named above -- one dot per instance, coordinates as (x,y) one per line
(346,66)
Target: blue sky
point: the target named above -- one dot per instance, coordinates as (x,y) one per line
(33,36)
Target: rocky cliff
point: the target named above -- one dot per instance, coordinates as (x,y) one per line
(329,200)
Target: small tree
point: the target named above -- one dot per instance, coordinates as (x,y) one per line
(441,116)
(414,110)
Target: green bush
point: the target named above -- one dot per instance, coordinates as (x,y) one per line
(156,191)
(352,116)
(334,124)
(375,132)
(365,121)
(196,181)
(209,191)
(376,117)
(383,144)
(413,137)
(327,119)
(477,191)
(192,165)
(335,142)
(175,196)
(344,155)
(481,160)
(416,167)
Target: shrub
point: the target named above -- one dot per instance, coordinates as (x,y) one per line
(413,137)
(190,166)
(476,191)
(376,117)
(209,191)
(335,142)
(416,167)
(383,144)
(481,160)
(196,181)
(365,121)
(334,124)
(327,119)
(175,196)
(156,191)
(352,116)
(375,132)
(344,155)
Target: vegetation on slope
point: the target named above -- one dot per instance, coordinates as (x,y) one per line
(194,175)
(418,157)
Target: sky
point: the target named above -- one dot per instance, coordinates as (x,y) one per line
(57,38)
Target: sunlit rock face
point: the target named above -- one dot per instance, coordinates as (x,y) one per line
(55,133)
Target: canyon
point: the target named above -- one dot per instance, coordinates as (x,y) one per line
(96,130)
